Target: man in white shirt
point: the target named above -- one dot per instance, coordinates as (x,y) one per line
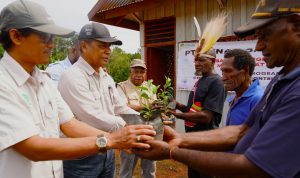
(32,112)
(93,98)
(57,68)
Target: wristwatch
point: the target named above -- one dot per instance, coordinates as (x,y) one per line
(102,142)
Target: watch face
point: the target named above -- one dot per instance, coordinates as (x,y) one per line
(102,142)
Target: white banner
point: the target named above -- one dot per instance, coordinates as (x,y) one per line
(186,69)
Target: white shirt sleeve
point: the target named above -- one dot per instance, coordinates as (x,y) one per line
(16,120)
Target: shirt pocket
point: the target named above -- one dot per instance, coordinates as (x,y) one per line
(96,95)
(51,117)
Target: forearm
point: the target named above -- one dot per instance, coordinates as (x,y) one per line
(218,163)
(75,129)
(196,117)
(136,107)
(40,149)
(181,107)
(214,140)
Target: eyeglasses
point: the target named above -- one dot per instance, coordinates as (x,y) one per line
(46,38)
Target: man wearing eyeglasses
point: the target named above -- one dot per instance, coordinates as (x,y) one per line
(93,98)
(32,112)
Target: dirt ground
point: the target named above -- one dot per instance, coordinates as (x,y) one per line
(164,169)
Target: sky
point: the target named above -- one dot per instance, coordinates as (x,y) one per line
(73,15)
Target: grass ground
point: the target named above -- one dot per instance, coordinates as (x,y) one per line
(164,169)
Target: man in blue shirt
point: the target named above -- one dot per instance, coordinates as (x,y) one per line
(56,69)
(237,69)
(267,144)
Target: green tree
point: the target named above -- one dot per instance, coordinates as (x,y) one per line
(60,51)
(119,63)
(1,51)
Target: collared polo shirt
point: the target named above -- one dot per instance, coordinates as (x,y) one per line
(240,110)
(93,97)
(56,69)
(30,105)
(132,95)
(272,142)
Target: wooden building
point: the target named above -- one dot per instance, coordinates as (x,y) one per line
(165,23)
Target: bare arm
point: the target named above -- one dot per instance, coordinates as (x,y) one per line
(201,117)
(218,163)
(212,163)
(135,107)
(214,140)
(75,128)
(37,148)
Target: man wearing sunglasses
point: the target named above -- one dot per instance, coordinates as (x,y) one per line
(93,98)
(32,112)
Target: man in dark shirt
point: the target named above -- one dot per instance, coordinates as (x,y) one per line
(205,103)
(267,145)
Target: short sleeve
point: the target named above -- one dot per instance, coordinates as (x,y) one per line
(16,120)
(214,100)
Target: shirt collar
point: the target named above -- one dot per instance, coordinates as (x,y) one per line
(85,66)
(291,75)
(17,72)
(67,62)
(249,92)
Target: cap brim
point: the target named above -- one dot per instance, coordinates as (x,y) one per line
(138,66)
(55,30)
(110,40)
(249,28)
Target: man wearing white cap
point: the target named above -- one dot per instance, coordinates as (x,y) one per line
(32,112)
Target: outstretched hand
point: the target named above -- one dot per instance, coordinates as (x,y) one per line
(171,136)
(159,150)
(132,136)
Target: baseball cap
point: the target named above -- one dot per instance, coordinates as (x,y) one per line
(97,31)
(266,12)
(138,63)
(27,14)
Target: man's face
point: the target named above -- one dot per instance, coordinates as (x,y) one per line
(137,75)
(203,65)
(96,53)
(278,42)
(74,53)
(36,47)
(232,78)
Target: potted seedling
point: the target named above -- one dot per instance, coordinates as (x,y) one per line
(149,114)
(166,102)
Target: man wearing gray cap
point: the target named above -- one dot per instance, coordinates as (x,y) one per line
(32,112)
(93,98)
(131,94)
(267,145)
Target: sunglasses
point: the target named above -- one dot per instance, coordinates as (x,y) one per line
(46,38)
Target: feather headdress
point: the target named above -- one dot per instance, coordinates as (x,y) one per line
(212,31)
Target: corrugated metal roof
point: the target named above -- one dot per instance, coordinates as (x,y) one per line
(112,4)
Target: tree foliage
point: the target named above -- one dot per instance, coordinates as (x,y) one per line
(119,63)
(60,51)
(1,51)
